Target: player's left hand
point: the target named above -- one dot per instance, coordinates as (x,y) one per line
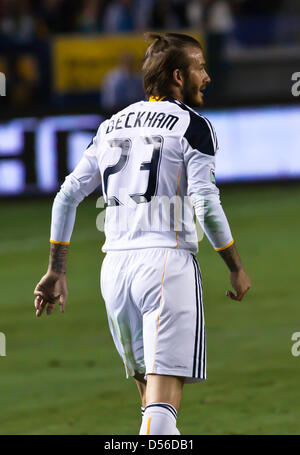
(51,288)
(241,283)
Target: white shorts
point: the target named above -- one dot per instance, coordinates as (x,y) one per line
(153,299)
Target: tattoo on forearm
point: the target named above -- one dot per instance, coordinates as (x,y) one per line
(58,258)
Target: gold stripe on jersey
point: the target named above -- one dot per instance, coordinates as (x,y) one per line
(225,247)
(59,243)
(156,98)
(177,208)
(160,309)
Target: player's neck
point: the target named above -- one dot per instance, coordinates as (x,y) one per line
(176,93)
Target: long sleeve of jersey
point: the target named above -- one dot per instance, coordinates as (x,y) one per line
(200,146)
(80,183)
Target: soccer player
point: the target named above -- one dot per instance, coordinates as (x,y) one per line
(156,162)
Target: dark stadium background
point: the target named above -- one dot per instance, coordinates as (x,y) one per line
(67,66)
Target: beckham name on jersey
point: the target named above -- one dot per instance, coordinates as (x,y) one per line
(141,120)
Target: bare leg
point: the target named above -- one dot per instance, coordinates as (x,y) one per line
(164,389)
(160,391)
(141,385)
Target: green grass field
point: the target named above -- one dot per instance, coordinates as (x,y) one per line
(62,374)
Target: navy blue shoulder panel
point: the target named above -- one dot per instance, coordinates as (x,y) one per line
(170,99)
(199,134)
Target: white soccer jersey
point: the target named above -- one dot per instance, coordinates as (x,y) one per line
(155,160)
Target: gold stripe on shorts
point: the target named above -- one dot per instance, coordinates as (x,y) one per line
(160,308)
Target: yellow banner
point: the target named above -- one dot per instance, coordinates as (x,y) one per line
(81,62)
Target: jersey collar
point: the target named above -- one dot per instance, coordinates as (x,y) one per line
(162,98)
(154,99)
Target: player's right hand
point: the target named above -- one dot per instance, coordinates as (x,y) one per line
(51,288)
(241,283)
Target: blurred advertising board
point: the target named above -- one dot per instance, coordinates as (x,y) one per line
(254,144)
(80,62)
(36,154)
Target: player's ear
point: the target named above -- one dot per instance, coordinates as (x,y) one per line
(178,78)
